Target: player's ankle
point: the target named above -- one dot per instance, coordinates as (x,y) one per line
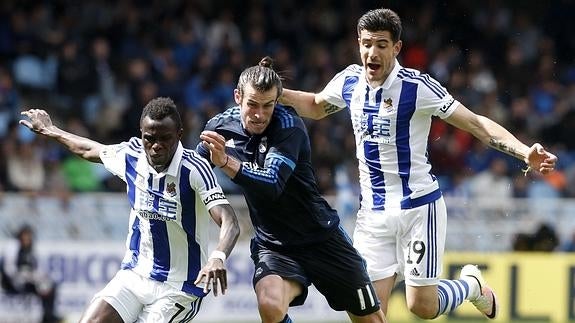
(474,287)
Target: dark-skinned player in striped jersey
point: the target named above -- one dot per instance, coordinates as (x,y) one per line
(264,148)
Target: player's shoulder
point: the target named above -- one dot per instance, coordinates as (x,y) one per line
(192,160)
(133,146)
(424,81)
(193,157)
(415,75)
(353,70)
(285,117)
(230,115)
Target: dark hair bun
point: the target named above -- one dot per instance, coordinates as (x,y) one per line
(266,62)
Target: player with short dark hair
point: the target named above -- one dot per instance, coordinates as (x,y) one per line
(401,225)
(265,149)
(171,190)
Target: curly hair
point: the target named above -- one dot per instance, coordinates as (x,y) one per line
(160,108)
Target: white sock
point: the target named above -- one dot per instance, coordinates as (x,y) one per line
(474,288)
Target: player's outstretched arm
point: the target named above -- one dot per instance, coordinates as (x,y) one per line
(307,104)
(39,122)
(214,272)
(495,136)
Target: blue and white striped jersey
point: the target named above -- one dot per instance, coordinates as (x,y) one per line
(391,124)
(168,228)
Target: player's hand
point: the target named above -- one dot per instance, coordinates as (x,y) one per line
(39,120)
(216,143)
(541,160)
(211,275)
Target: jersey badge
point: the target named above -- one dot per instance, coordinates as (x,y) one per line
(263,147)
(171,189)
(388,105)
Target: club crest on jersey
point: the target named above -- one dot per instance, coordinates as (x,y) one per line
(263,147)
(171,189)
(388,105)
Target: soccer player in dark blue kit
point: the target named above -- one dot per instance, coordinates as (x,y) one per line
(264,148)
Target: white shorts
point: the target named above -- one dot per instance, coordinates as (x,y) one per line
(409,243)
(140,299)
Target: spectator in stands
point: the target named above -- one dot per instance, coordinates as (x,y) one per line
(24,164)
(40,45)
(492,185)
(545,238)
(522,242)
(21,274)
(172,192)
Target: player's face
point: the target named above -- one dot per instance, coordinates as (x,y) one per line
(256,108)
(378,52)
(160,138)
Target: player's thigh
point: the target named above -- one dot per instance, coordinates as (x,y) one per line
(121,293)
(172,306)
(273,263)
(338,272)
(383,289)
(422,243)
(277,291)
(375,238)
(376,317)
(100,311)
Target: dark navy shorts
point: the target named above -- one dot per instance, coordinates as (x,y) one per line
(333,266)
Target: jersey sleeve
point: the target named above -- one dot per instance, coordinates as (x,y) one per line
(114,156)
(335,90)
(280,163)
(203,180)
(434,98)
(200,148)
(203,151)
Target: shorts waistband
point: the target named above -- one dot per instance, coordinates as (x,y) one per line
(410,203)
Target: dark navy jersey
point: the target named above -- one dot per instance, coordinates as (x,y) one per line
(277,178)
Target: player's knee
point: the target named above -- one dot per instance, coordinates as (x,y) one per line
(423,310)
(271,310)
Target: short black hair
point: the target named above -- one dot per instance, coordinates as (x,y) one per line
(262,77)
(160,108)
(381,20)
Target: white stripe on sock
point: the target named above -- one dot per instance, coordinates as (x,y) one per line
(451,293)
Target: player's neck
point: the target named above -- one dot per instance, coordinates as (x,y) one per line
(380,81)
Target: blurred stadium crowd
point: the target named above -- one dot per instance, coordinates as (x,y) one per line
(93,65)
